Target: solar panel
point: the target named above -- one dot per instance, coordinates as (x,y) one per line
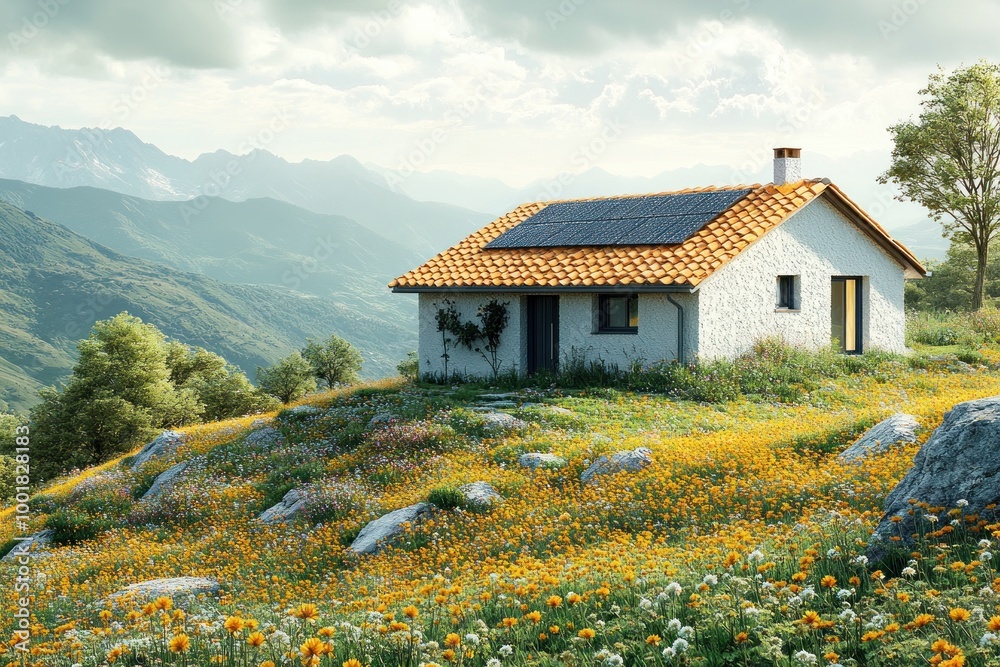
(653,220)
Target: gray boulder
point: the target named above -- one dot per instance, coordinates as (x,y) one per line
(536,460)
(30,546)
(480,495)
(899,428)
(304,410)
(382,531)
(263,438)
(289,506)
(959,462)
(164,445)
(382,419)
(501,421)
(164,481)
(632,461)
(175,587)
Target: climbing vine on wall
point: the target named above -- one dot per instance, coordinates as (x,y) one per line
(482,337)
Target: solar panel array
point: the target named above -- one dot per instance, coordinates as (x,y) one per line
(653,220)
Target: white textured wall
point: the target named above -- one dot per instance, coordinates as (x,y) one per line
(655,341)
(463,361)
(736,304)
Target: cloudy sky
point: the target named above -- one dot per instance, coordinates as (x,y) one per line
(516,89)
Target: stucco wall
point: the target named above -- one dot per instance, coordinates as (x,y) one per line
(737,304)
(655,341)
(465,362)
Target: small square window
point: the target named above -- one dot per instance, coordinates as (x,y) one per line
(618,314)
(785,298)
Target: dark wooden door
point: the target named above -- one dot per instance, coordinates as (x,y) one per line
(543,333)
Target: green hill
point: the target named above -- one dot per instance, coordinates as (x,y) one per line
(54,284)
(261,241)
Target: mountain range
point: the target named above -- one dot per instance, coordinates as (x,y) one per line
(55,283)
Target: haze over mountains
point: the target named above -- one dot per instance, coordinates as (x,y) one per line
(54,284)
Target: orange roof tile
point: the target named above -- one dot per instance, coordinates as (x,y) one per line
(470,265)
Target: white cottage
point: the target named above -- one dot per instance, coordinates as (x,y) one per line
(700,273)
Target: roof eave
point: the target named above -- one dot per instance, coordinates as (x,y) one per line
(912,268)
(539,289)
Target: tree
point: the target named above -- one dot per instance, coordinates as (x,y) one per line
(949,287)
(288,380)
(119,396)
(949,159)
(221,389)
(334,361)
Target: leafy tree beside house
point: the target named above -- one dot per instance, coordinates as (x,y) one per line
(948,160)
(334,361)
(288,380)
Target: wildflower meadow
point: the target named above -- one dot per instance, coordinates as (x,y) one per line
(742,544)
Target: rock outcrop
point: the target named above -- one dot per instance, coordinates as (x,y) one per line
(536,460)
(164,445)
(175,587)
(480,495)
(631,461)
(164,481)
(959,465)
(502,422)
(382,419)
(29,546)
(263,438)
(382,531)
(899,428)
(290,505)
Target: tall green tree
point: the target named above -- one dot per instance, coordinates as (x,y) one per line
(288,380)
(949,287)
(948,160)
(119,396)
(334,360)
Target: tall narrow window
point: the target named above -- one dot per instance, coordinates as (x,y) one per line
(786,293)
(618,314)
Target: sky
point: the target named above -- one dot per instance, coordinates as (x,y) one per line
(512,89)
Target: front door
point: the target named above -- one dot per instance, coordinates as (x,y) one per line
(845,314)
(543,333)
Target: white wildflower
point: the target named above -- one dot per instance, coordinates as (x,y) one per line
(674,625)
(645,604)
(680,645)
(987,639)
(986,555)
(711,579)
(755,556)
(909,572)
(845,593)
(685,632)
(984,544)
(493,662)
(472,638)
(669,653)
(506,650)
(674,588)
(805,658)
(962,502)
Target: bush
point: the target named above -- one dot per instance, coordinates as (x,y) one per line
(409,368)
(70,526)
(446,498)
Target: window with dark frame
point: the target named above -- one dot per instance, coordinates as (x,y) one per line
(618,313)
(786,293)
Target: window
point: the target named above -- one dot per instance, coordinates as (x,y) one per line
(786,293)
(618,314)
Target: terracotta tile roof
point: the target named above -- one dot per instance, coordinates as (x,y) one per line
(469,265)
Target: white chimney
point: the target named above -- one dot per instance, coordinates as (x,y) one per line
(787,165)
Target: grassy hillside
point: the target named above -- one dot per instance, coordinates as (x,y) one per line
(54,284)
(737,546)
